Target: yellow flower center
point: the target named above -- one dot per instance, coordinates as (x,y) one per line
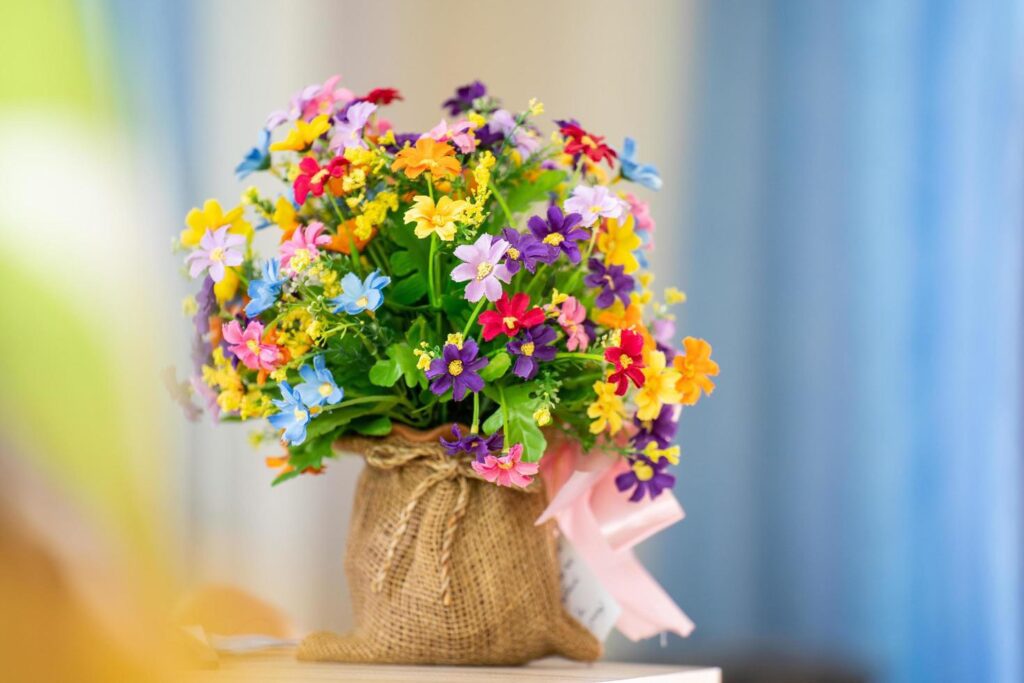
(625,361)
(300,259)
(513,253)
(314,410)
(362,302)
(217,254)
(455,368)
(528,348)
(595,209)
(506,465)
(483,270)
(643,471)
(510,322)
(253,345)
(299,414)
(321,175)
(326,389)
(554,239)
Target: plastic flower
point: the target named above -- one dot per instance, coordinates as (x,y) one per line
(303,135)
(659,387)
(382,96)
(578,142)
(211,217)
(360,295)
(428,156)
(695,370)
(313,178)
(217,249)
(612,281)
(533,346)
(510,316)
(464,98)
(641,213)
(656,453)
(249,346)
(595,202)
(459,134)
(482,267)
(641,174)
(457,369)
(509,469)
(349,133)
(475,445)
(318,387)
(571,317)
(523,250)
(321,99)
(293,418)
(263,292)
(607,410)
(617,242)
(645,477)
(437,218)
(521,138)
(628,360)
(258,158)
(660,430)
(559,232)
(302,248)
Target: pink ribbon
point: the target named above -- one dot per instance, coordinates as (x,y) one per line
(603,527)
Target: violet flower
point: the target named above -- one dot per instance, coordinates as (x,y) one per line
(464,98)
(217,250)
(482,267)
(476,445)
(559,232)
(661,430)
(523,250)
(612,280)
(533,346)
(648,477)
(457,369)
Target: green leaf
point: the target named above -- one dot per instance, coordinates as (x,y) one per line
(519,404)
(406,361)
(493,423)
(373,426)
(411,289)
(497,367)
(402,263)
(385,372)
(522,196)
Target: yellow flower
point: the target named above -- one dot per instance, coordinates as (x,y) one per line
(437,218)
(255,404)
(359,156)
(695,370)
(657,454)
(659,387)
(211,217)
(387,139)
(674,296)
(303,134)
(607,411)
(226,289)
(423,359)
(428,156)
(476,119)
(618,316)
(542,416)
(535,107)
(456,339)
(189,306)
(617,242)
(230,400)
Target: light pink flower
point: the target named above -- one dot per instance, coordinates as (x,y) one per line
(508,470)
(302,247)
(248,346)
(595,202)
(350,132)
(483,268)
(460,135)
(321,99)
(571,319)
(523,139)
(216,250)
(641,213)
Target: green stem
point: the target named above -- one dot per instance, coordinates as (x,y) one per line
(430,270)
(476,413)
(562,355)
(502,203)
(473,316)
(361,400)
(430,186)
(504,419)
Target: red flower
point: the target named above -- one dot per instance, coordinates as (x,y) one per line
(628,360)
(382,96)
(312,177)
(578,142)
(510,316)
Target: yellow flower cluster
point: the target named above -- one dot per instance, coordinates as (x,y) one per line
(473,215)
(291,332)
(374,212)
(223,377)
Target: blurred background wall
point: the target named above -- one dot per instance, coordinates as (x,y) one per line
(842,204)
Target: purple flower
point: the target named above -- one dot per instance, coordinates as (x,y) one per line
(595,202)
(476,445)
(457,369)
(664,331)
(464,97)
(349,133)
(523,250)
(612,280)
(661,430)
(482,267)
(559,232)
(532,346)
(519,137)
(647,476)
(217,250)
(488,136)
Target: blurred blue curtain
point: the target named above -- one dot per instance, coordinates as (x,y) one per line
(855,483)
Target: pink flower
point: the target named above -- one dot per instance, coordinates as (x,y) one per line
(301,248)
(571,319)
(248,346)
(508,470)
(216,250)
(483,268)
(349,133)
(641,213)
(320,99)
(459,135)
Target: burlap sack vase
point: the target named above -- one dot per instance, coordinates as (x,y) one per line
(445,568)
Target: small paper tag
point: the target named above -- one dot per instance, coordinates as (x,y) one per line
(583,596)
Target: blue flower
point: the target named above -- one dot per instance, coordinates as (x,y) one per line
(318,387)
(258,158)
(641,174)
(264,292)
(294,415)
(358,296)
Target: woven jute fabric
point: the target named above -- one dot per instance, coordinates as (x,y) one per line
(445,568)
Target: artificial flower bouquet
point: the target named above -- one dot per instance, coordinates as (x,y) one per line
(481,280)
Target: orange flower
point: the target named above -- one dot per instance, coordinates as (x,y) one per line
(620,317)
(428,156)
(340,242)
(695,367)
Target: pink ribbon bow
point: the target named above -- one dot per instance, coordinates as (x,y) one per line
(604,526)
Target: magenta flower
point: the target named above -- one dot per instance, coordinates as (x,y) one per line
(482,267)
(301,248)
(571,319)
(349,133)
(641,213)
(216,250)
(248,346)
(507,470)
(595,202)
